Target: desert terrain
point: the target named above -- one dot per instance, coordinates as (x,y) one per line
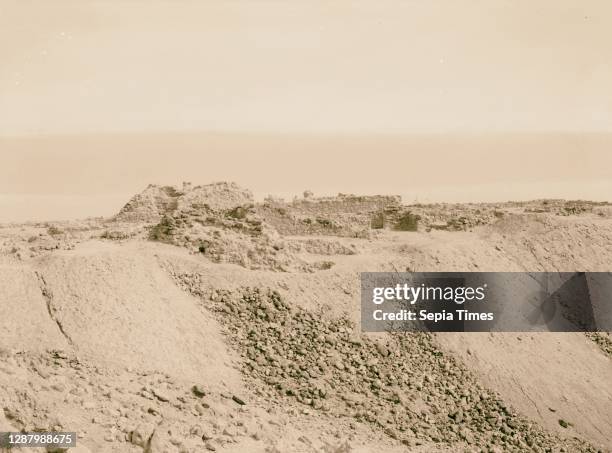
(197,319)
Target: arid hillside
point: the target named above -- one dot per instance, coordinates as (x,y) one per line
(198,319)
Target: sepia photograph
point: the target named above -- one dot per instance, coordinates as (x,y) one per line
(262,226)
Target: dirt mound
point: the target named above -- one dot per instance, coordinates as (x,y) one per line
(565,244)
(114,304)
(557,379)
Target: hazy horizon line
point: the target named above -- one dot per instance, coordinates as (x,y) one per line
(312,133)
(112,203)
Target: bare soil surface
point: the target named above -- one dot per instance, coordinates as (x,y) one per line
(199,320)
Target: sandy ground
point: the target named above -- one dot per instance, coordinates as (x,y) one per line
(143,346)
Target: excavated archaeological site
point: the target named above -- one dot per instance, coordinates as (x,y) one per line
(197,319)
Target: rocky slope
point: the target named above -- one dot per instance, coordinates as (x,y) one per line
(200,320)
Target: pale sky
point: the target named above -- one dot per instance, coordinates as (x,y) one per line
(305,66)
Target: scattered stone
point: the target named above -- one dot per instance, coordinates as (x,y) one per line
(141,434)
(457,416)
(286,349)
(199,390)
(238,400)
(161,395)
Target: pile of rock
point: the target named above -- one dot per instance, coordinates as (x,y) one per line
(221,197)
(155,202)
(150,205)
(404,385)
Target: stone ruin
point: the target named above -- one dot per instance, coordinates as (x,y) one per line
(155,202)
(342,215)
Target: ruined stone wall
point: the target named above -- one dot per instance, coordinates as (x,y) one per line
(344,204)
(344,215)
